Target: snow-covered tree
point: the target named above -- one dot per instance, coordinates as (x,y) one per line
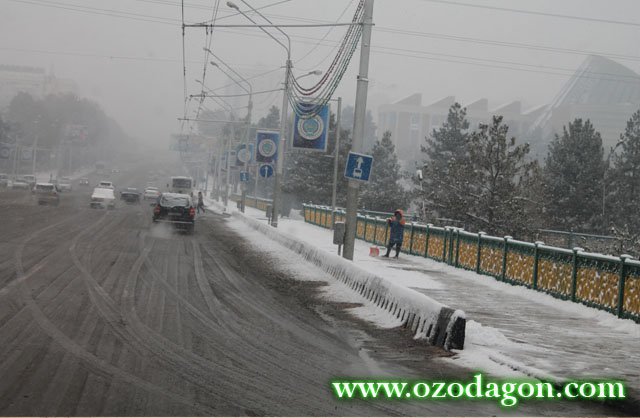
(271,120)
(574,172)
(384,191)
(498,166)
(623,187)
(445,184)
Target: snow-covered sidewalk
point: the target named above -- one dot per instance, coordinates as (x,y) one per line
(511,330)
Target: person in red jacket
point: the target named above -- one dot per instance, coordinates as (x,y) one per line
(396,233)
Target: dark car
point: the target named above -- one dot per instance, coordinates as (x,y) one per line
(177,209)
(130,195)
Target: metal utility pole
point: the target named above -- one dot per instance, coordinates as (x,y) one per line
(360,113)
(35,155)
(226,185)
(277,189)
(336,152)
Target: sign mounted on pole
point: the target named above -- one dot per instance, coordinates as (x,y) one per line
(358,167)
(5,152)
(267,146)
(27,154)
(244,176)
(244,154)
(266,171)
(310,133)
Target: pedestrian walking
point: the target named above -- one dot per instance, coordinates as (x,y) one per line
(200,203)
(396,233)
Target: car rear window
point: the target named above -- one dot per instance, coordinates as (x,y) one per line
(44,187)
(170,201)
(181,183)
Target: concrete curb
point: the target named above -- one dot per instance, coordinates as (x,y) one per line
(427,319)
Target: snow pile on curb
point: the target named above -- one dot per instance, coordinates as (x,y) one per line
(427,319)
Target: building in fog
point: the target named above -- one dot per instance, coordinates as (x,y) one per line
(35,81)
(410,122)
(601,90)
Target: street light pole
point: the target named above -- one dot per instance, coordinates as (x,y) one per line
(336,152)
(360,113)
(243,185)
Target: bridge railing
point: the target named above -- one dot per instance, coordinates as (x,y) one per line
(600,281)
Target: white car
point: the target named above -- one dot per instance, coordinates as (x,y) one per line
(151,193)
(64,184)
(103,198)
(105,184)
(20,183)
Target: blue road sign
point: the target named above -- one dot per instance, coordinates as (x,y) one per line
(358,167)
(266,171)
(244,176)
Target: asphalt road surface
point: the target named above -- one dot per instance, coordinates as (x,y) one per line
(102,313)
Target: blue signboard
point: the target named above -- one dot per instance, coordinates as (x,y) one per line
(358,167)
(266,171)
(244,176)
(244,154)
(267,146)
(310,132)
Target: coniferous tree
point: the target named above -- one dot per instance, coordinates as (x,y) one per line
(384,192)
(574,171)
(623,187)
(498,166)
(444,188)
(309,175)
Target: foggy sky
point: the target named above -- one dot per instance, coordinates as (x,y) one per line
(133,68)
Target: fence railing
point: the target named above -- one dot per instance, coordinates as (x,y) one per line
(600,281)
(252,201)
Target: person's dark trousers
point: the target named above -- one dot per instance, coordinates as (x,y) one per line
(200,208)
(390,246)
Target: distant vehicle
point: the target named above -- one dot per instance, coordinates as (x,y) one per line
(4,180)
(102,198)
(106,184)
(20,183)
(130,195)
(64,184)
(181,184)
(83,182)
(115,170)
(176,209)
(30,179)
(151,193)
(46,193)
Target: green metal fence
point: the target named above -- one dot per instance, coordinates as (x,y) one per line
(604,282)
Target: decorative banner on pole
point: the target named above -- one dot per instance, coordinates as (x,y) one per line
(244,154)
(310,133)
(27,154)
(267,146)
(5,152)
(77,134)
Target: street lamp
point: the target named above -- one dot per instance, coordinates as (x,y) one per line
(249,109)
(314,72)
(277,192)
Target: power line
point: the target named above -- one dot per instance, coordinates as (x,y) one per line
(535,13)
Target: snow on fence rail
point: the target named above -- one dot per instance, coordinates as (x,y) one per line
(603,282)
(427,319)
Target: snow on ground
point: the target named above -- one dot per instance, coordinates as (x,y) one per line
(45,176)
(288,261)
(511,330)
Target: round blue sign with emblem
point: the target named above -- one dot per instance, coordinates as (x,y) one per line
(311,128)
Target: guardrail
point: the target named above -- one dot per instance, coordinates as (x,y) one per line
(604,282)
(252,201)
